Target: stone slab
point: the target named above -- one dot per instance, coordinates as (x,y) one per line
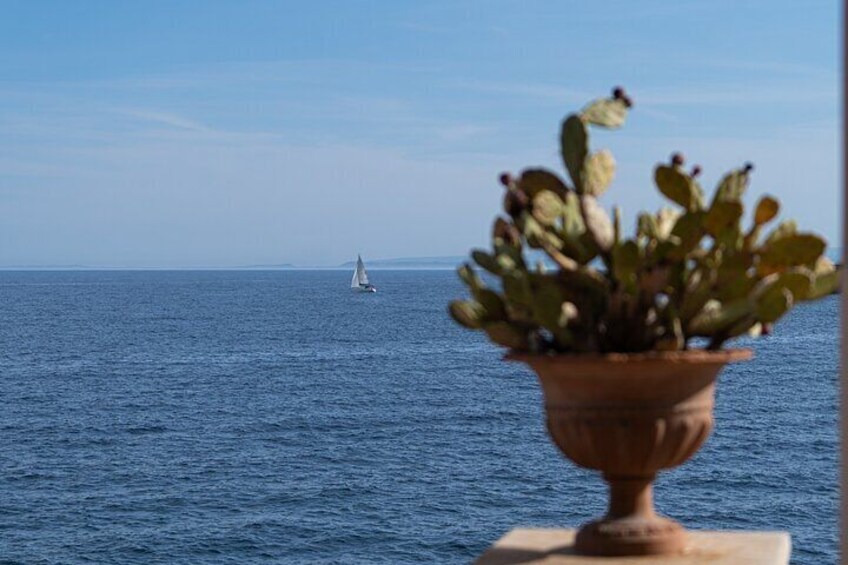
(555,547)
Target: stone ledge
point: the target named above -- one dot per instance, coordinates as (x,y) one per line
(555,547)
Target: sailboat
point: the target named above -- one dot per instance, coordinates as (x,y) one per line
(360,283)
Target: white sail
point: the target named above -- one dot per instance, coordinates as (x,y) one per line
(361,273)
(360,276)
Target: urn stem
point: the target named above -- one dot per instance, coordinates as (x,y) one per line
(631,496)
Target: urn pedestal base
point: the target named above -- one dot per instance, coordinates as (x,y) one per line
(556,547)
(630,527)
(630,536)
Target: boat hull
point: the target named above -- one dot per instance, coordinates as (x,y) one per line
(364,290)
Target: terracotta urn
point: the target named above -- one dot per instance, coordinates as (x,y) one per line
(630,416)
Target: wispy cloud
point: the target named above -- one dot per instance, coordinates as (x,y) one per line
(737,94)
(167,147)
(165,118)
(443,30)
(460,132)
(730,93)
(768,67)
(541,91)
(435,29)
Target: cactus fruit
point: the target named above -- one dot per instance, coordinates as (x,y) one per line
(619,94)
(689,271)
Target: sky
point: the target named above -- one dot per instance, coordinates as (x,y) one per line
(203,133)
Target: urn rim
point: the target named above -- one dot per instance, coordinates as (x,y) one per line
(688,357)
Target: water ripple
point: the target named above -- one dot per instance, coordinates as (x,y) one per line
(155,417)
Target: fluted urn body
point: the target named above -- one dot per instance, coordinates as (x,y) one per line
(630,416)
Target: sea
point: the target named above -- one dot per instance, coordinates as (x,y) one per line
(275,417)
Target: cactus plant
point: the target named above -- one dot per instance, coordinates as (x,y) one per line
(690,271)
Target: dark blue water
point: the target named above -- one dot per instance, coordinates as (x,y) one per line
(236,417)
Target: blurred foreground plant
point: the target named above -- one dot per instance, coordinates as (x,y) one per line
(692,271)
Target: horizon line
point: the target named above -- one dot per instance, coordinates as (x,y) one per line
(375,264)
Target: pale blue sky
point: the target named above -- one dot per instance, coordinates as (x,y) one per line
(203,133)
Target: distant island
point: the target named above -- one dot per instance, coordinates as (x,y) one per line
(269,267)
(435,263)
(47,268)
(454,261)
(266,267)
(450,262)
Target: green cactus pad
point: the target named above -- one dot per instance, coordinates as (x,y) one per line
(547,207)
(625,261)
(469,277)
(616,223)
(677,187)
(486,261)
(698,291)
(766,210)
(538,237)
(598,222)
(745,325)
(572,217)
(690,271)
(794,249)
(784,229)
(533,181)
(774,303)
(646,225)
(722,216)
(547,303)
(689,231)
(598,173)
(504,233)
(466,313)
(798,281)
(574,146)
(666,219)
(732,186)
(517,289)
(507,262)
(824,285)
(823,266)
(735,288)
(581,248)
(605,112)
(506,335)
(715,317)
